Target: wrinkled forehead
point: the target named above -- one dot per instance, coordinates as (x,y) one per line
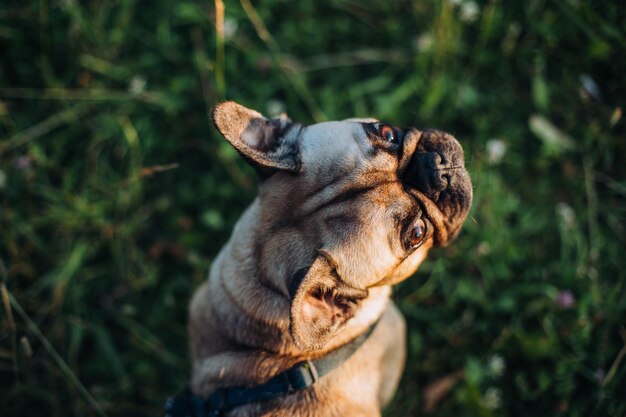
(340,145)
(334,139)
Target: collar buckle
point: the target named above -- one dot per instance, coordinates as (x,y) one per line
(302,375)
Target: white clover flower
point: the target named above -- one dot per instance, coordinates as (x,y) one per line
(483,249)
(423,42)
(589,85)
(496,148)
(496,366)
(469,11)
(230,27)
(492,398)
(137,84)
(566,215)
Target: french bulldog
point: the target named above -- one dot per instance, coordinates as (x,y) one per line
(345,209)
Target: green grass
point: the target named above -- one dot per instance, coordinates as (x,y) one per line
(116,193)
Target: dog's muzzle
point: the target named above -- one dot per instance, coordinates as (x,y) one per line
(436,165)
(437,170)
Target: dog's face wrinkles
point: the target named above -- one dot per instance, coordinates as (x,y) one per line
(348,194)
(345,206)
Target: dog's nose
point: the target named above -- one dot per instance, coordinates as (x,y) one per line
(436,165)
(430,174)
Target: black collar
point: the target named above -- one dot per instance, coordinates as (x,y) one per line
(296,378)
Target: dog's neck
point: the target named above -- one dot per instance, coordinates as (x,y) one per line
(251,318)
(255,314)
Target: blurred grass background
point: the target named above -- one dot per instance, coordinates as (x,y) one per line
(116,193)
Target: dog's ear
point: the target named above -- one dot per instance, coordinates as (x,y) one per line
(321,304)
(268,144)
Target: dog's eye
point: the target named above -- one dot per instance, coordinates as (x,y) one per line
(387,133)
(417,234)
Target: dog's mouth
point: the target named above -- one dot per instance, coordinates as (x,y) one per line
(433,167)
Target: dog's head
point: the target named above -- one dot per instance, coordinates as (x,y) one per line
(345,206)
